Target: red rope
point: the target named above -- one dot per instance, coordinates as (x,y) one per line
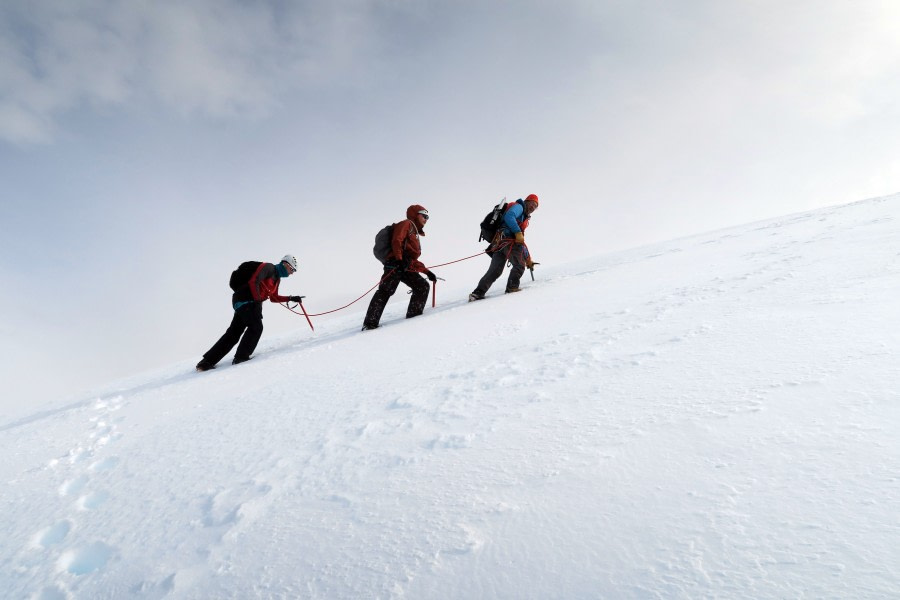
(456,261)
(328,312)
(355,301)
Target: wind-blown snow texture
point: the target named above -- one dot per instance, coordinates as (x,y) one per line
(715,416)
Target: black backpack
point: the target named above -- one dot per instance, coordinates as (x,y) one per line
(382,247)
(240,277)
(492,221)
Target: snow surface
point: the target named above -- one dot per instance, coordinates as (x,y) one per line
(712,417)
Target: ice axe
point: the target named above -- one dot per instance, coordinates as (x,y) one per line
(531,268)
(303,308)
(434,290)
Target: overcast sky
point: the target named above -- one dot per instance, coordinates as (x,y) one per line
(147,147)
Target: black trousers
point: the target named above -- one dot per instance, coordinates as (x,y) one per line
(393,277)
(514,254)
(247,322)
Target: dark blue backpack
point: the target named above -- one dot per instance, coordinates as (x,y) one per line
(240,277)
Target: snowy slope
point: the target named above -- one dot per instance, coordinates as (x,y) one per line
(715,416)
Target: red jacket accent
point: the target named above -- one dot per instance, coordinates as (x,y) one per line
(264,284)
(405,245)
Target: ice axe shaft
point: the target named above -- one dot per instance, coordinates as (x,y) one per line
(305,314)
(434,291)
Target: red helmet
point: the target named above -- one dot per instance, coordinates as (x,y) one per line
(414,210)
(532,198)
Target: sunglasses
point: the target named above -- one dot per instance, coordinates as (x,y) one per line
(424,214)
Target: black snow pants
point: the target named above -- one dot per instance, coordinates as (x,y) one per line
(515,254)
(392,278)
(247,321)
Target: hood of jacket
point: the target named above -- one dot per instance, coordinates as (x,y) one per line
(411,213)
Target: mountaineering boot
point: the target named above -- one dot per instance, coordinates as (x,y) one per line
(475,296)
(513,290)
(203,365)
(238,361)
(368,327)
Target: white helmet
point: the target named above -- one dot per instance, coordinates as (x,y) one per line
(289,259)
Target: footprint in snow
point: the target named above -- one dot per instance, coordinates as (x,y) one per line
(73,486)
(87,559)
(472,541)
(92,501)
(77,455)
(105,464)
(231,505)
(50,536)
(449,442)
(112,404)
(155,589)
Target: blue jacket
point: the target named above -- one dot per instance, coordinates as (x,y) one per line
(514,220)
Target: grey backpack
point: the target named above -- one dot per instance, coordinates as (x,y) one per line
(382,247)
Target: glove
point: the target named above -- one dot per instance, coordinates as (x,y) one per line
(401,264)
(520,238)
(529,263)
(431,276)
(298,299)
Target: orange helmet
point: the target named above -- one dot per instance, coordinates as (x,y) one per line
(532,198)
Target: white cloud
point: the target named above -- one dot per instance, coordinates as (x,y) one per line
(210,57)
(828,61)
(52,59)
(20,125)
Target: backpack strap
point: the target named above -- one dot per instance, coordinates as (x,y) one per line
(251,283)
